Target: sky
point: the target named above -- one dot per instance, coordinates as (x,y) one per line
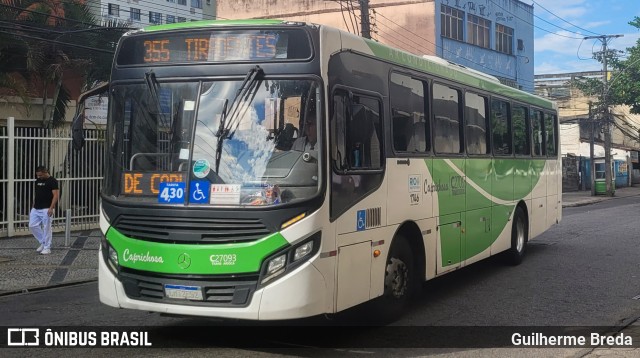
(559,32)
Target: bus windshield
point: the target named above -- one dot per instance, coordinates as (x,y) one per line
(223,143)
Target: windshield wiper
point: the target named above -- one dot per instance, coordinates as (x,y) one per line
(232,113)
(152,84)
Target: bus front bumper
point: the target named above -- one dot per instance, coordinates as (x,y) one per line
(300,293)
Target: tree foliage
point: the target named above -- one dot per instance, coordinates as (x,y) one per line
(623,88)
(42,40)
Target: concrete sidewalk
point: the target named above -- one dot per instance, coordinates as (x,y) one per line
(580,198)
(22,269)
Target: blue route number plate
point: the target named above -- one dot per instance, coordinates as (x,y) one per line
(183,292)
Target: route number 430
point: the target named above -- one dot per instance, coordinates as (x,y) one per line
(171,192)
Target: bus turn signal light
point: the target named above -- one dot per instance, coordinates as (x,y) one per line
(376,253)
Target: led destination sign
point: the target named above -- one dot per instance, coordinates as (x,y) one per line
(214,46)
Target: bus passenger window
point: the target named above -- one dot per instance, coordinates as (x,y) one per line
(521,131)
(536,131)
(550,131)
(408,108)
(501,127)
(476,133)
(448,123)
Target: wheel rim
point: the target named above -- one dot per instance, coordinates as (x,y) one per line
(397,277)
(519,235)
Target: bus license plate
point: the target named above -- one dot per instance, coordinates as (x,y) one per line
(183,292)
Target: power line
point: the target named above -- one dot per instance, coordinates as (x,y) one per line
(57,42)
(538,27)
(576,26)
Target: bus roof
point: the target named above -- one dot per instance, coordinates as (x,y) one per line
(429,64)
(212,23)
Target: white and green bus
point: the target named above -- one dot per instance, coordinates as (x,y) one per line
(265,170)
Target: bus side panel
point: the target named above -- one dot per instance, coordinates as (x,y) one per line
(552,192)
(407,193)
(354,274)
(478,229)
(538,217)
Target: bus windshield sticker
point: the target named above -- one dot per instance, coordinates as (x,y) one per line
(171,193)
(201,168)
(199,192)
(189,105)
(225,194)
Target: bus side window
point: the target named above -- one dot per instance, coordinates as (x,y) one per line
(356,130)
(501,127)
(537,134)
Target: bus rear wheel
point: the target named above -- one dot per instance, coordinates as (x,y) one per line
(519,238)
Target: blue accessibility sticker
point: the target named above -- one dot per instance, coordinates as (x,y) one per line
(362,219)
(199,192)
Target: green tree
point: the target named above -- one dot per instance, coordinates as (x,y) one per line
(624,77)
(43,40)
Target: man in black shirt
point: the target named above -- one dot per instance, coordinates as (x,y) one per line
(44,204)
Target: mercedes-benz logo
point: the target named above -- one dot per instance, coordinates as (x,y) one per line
(184,261)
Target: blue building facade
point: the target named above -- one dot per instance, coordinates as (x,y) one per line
(491,36)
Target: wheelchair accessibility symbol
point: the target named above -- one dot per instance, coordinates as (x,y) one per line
(199,192)
(361,220)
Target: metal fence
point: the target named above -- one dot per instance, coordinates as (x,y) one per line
(79,174)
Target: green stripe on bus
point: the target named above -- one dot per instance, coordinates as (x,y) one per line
(481,203)
(235,258)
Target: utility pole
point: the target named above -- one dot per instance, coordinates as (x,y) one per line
(592,165)
(364,19)
(605,115)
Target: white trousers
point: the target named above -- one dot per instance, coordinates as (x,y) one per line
(40,226)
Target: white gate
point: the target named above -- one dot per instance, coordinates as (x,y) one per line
(79,174)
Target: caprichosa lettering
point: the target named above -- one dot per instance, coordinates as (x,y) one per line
(145,257)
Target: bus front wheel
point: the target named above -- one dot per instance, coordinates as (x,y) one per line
(519,237)
(399,280)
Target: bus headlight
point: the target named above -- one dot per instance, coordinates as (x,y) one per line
(113,255)
(303,250)
(290,258)
(276,264)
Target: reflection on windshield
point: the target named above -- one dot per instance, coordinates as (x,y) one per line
(261,131)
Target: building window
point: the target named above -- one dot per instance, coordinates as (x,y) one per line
(504,39)
(478,31)
(171,19)
(155,17)
(196,4)
(135,14)
(182,2)
(451,22)
(114,10)
(182,19)
(171,1)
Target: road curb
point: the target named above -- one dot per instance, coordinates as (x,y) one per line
(47,287)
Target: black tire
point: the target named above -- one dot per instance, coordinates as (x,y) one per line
(519,238)
(400,281)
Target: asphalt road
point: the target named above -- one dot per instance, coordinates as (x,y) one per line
(583,272)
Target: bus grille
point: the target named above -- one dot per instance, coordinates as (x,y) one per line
(191,230)
(218,292)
